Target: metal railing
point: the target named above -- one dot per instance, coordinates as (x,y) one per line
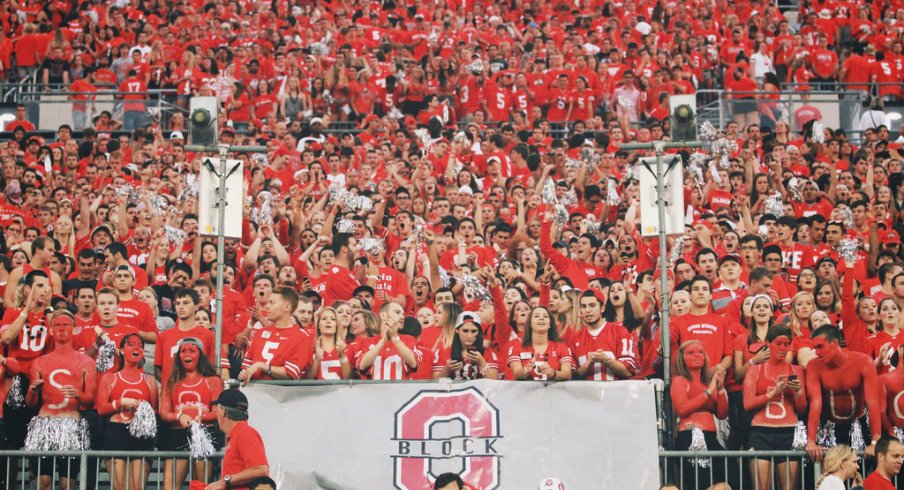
(685,469)
(21,469)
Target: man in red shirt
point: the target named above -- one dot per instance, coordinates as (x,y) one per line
(703,325)
(389,356)
(605,351)
(186,305)
(825,64)
(245,458)
(20,121)
(132,311)
(133,92)
(889,454)
(280,350)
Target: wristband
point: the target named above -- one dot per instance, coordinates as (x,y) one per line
(707,393)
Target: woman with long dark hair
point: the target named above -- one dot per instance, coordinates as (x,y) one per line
(187,396)
(466,358)
(541,355)
(120,394)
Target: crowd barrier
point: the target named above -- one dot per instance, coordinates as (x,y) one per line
(19,469)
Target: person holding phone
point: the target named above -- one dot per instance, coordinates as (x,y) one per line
(466,358)
(774,393)
(750,349)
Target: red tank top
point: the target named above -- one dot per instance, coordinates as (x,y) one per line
(123,388)
(192,397)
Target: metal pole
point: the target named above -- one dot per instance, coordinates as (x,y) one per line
(221,250)
(659,147)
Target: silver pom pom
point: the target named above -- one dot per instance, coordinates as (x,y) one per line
(549,191)
(825,436)
(260,159)
(144,424)
(105,352)
(560,217)
(800,436)
(794,189)
(129,193)
(819,132)
(774,205)
(191,188)
(723,148)
(200,443)
(159,205)
(461,138)
(763,232)
(475,289)
(569,199)
(424,136)
(476,66)
(849,249)
(396,114)
(174,235)
(696,162)
(612,197)
(372,246)
(698,444)
(572,164)
(57,434)
(707,132)
(857,443)
(345,226)
(265,211)
(444,277)
(899,433)
(714,173)
(16,396)
(847,217)
(677,251)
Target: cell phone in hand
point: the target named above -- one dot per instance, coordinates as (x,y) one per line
(792,377)
(762,348)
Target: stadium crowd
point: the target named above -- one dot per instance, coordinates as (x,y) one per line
(476,217)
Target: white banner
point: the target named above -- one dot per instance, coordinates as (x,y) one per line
(497,435)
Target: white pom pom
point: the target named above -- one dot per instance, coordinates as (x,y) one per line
(200,443)
(144,424)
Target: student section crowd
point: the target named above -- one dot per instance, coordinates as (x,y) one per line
(480,220)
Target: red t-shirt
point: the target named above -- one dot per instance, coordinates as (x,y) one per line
(244,449)
(168,346)
(710,329)
(136,313)
(338,283)
(877,482)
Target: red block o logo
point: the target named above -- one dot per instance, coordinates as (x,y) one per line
(439,431)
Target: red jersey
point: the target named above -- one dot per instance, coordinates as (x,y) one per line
(388,365)
(615,342)
(244,449)
(58,370)
(556,355)
(34,339)
(168,346)
(289,348)
(134,94)
(468,370)
(795,257)
(331,365)
(136,313)
(710,329)
(880,339)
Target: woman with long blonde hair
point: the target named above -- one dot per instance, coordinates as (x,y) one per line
(330,360)
(839,465)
